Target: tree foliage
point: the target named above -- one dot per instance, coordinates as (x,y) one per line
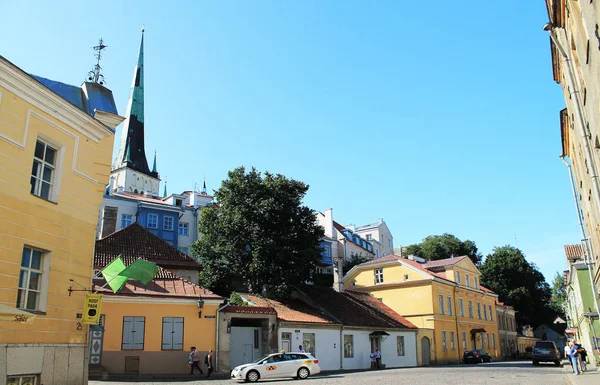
(436,247)
(357,259)
(518,283)
(559,293)
(259,236)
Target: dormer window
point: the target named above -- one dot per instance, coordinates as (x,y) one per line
(378,276)
(179,202)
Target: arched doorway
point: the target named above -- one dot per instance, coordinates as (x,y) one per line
(425,351)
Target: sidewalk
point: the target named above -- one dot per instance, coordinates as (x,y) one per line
(591,377)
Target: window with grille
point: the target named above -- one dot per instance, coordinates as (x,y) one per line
(378,275)
(30,279)
(168,223)
(43,170)
(444,342)
(461,307)
(126,220)
(152,221)
(400,345)
(184,229)
(441,298)
(22,380)
(470,309)
(452,341)
(348,346)
(449,305)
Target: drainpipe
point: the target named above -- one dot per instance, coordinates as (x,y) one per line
(457,341)
(217,337)
(342,348)
(588,246)
(587,151)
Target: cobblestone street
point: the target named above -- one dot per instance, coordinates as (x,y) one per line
(500,373)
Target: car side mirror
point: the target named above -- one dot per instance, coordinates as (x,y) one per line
(264,362)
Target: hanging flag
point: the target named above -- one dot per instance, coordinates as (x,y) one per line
(111,274)
(92,309)
(141,270)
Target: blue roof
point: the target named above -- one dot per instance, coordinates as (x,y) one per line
(88,98)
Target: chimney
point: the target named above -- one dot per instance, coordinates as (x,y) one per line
(111,185)
(328,224)
(193,199)
(109,221)
(338,274)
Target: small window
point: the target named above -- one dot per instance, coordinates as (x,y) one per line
(256,339)
(22,380)
(488,340)
(400,345)
(441,298)
(494,340)
(172,333)
(42,172)
(178,202)
(30,279)
(184,229)
(168,223)
(470,309)
(444,341)
(152,221)
(475,283)
(478,310)
(449,305)
(378,276)
(369,237)
(348,346)
(491,317)
(133,333)
(464,340)
(461,306)
(126,220)
(484,312)
(452,341)
(308,343)
(458,277)
(467,280)
(406,277)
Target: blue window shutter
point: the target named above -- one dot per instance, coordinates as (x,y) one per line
(177,333)
(167,333)
(138,333)
(127,333)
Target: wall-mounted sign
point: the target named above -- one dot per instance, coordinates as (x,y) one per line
(209,316)
(92,309)
(297,331)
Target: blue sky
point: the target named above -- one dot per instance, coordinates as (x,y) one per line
(437,116)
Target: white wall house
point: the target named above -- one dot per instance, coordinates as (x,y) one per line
(398,349)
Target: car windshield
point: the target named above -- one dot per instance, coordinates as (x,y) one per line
(262,359)
(544,345)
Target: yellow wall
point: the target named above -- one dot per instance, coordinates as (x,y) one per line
(65,228)
(199,332)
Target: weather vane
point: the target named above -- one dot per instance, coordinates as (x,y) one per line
(95,75)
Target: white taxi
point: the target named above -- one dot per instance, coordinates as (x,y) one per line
(278,365)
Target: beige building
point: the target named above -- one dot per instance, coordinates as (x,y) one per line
(507,329)
(575,47)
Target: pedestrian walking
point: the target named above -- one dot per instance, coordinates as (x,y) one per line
(194,360)
(574,358)
(583,359)
(208,360)
(377,356)
(567,351)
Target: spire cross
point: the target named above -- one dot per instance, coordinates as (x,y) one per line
(95,75)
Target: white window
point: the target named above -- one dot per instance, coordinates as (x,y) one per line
(458,277)
(133,333)
(444,342)
(172,333)
(475,283)
(400,345)
(449,305)
(494,340)
(478,310)
(22,380)
(168,223)
(488,340)
(378,275)
(126,220)
(308,343)
(152,221)
(43,170)
(184,229)
(491,317)
(29,295)
(441,298)
(348,346)
(464,340)
(461,307)
(467,280)
(406,277)
(484,312)
(452,341)
(470,309)
(369,237)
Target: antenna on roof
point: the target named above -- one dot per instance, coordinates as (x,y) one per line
(94,75)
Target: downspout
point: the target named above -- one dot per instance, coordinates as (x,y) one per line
(342,348)
(587,151)
(588,245)
(217,337)
(458,336)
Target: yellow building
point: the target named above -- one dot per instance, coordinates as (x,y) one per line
(149,329)
(55,150)
(444,299)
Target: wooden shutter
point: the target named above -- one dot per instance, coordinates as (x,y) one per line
(138,333)
(177,333)
(127,333)
(167,334)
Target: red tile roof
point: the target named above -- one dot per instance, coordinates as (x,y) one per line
(292,310)
(387,258)
(135,242)
(483,288)
(369,300)
(574,252)
(165,284)
(249,310)
(566,277)
(442,263)
(143,198)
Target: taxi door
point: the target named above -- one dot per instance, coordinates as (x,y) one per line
(275,367)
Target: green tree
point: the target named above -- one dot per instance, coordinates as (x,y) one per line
(436,247)
(259,236)
(518,283)
(357,259)
(559,294)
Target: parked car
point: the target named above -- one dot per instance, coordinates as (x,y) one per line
(476,356)
(545,351)
(278,365)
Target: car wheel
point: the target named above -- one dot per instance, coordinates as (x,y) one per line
(557,363)
(252,376)
(536,362)
(303,373)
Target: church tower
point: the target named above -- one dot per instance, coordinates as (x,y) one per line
(130,170)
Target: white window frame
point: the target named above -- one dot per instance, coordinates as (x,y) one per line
(444,341)
(464,340)
(44,270)
(400,345)
(23,377)
(452,341)
(494,340)
(475,283)
(484,312)
(479,310)
(488,340)
(471,309)
(378,275)
(348,346)
(450,306)
(168,223)
(441,300)
(184,229)
(36,187)
(458,277)
(126,220)
(491,316)
(155,216)
(467,280)
(461,307)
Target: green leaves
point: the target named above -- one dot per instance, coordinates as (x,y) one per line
(259,236)
(436,247)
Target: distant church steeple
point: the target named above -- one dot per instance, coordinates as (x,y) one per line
(131,165)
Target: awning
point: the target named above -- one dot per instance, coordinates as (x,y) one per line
(480,330)
(571,331)
(378,333)
(10,314)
